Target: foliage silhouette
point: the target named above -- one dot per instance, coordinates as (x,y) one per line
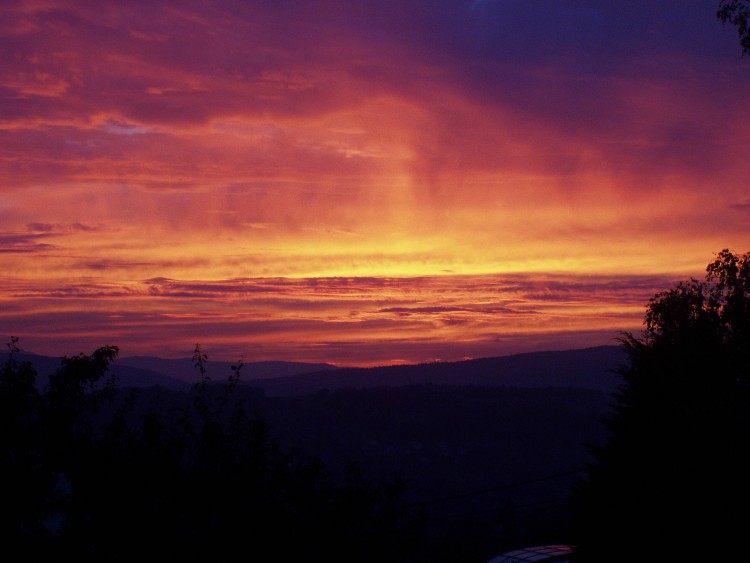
(737,13)
(96,472)
(671,482)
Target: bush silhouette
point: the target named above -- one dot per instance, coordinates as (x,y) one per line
(672,481)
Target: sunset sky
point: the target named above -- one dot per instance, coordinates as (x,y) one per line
(361,182)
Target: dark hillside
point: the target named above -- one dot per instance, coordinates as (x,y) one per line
(589,368)
(175,374)
(447,441)
(182,369)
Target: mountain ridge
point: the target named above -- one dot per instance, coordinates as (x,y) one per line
(584,367)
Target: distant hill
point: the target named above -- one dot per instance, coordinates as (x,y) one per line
(184,370)
(127,376)
(178,374)
(589,368)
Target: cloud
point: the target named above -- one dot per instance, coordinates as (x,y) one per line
(438,310)
(23,243)
(741,207)
(41,227)
(327,162)
(60,229)
(388,318)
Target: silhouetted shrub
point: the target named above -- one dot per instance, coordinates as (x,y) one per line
(672,481)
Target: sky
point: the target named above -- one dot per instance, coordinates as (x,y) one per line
(363,183)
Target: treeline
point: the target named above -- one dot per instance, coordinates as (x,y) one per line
(97,472)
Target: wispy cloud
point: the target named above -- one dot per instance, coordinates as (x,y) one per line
(23,243)
(354,320)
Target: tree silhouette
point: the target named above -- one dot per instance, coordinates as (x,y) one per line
(27,482)
(101,473)
(737,13)
(672,481)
